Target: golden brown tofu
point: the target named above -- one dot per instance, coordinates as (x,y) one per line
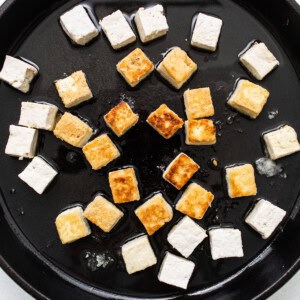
(73,89)
(135,67)
(200,132)
(72,130)
(195,201)
(241,181)
(180,170)
(100,151)
(177,67)
(198,103)
(154,213)
(103,213)
(165,121)
(121,118)
(124,185)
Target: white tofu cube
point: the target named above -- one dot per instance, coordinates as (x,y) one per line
(38,115)
(138,254)
(185,236)
(117,30)
(225,242)
(22,141)
(18,73)
(265,217)
(281,142)
(78,26)
(206,32)
(259,60)
(151,23)
(176,270)
(38,174)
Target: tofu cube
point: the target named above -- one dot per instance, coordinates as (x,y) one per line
(38,174)
(281,142)
(151,23)
(206,32)
(265,217)
(78,26)
(176,270)
(22,141)
(180,170)
(176,67)
(124,185)
(198,103)
(138,254)
(100,151)
(165,121)
(259,60)
(241,181)
(121,118)
(17,73)
(185,236)
(117,30)
(154,213)
(225,242)
(38,115)
(103,213)
(71,225)
(200,132)
(195,201)
(135,67)
(248,98)
(73,89)
(72,130)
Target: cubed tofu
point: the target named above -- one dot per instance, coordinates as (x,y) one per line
(18,73)
(121,118)
(180,170)
(100,151)
(22,141)
(265,217)
(165,121)
(124,185)
(151,23)
(248,98)
(195,201)
(176,270)
(200,132)
(225,242)
(72,130)
(259,60)
(154,213)
(71,225)
(241,181)
(73,89)
(138,254)
(176,67)
(185,236)
(198,103)
(135,67)
(117,30)
(38,174)
(38,115)
(281,142)
(78,26)
(206,32)
(103,213)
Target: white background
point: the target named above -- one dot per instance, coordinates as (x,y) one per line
(11,291)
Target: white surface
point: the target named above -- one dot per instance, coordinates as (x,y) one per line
(11,291)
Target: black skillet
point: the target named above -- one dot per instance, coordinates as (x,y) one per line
(30,250)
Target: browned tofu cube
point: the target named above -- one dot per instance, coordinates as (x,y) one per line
(200,132)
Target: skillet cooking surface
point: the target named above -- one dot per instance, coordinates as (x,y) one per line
(32,216)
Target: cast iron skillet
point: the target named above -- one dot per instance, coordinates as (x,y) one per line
(30,250)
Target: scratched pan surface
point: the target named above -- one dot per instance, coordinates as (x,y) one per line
(31,251)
